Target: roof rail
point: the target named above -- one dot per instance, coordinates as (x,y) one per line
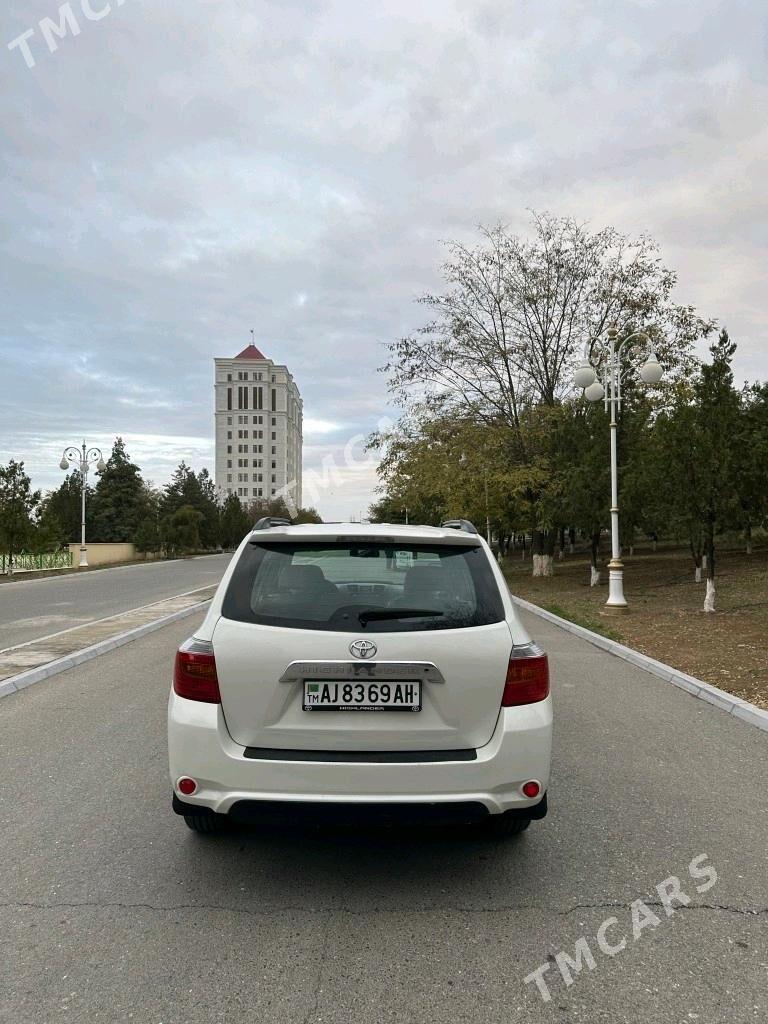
(459,524)
(267,522)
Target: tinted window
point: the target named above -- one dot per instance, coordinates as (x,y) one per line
(331,585)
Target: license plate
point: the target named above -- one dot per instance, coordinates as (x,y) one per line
(333,695)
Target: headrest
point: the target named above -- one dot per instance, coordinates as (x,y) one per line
(302,577)
(423,579)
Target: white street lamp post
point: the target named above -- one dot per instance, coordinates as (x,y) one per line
(609,390)
(83,458)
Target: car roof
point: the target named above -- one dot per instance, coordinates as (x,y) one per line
(375,532)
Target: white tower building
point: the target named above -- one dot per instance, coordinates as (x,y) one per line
(258,429)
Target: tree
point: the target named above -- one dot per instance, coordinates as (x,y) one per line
(698,437)
(194,491)
(181,530)
(60,510)
(505,335)
(750,460)
(18,504)
(235,522)
(120,501)
(147,536)
(307,515)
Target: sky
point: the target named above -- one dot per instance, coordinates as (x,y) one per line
(179,172)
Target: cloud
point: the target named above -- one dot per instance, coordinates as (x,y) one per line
(178,174)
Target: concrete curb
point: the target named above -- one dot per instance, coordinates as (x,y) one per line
(37,675)
(696,687)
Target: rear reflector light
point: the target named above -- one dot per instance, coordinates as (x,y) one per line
(531,789)
(527,679)
(194,674)
(186,786)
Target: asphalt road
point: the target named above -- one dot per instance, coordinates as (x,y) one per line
(31,608)
(111,910)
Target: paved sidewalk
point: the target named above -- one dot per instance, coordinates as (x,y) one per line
(51,648)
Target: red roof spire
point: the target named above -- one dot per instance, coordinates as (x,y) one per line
(250,352)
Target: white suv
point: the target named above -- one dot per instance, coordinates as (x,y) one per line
(361,672)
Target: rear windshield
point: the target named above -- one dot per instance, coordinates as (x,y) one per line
(377,589)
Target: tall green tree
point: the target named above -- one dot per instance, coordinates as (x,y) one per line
(197,491)
(235,522)
(120,501)
(699,439)
(180,531)
(18,505)
(60,510)
(751,460)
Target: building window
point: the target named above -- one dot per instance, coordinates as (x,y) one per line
(274,399)
(229,376)
(229,478)
(274,378)
(229,449)
(229,463)
(274,435)
(274,464)
(229,421)
(274,449)
(229,398)
(229,435)
(274,421)
(274,479)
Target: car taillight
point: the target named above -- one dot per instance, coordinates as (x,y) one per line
(194,674)
(527,679)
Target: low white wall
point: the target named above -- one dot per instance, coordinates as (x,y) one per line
(103,554)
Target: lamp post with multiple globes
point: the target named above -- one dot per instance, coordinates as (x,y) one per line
(604,357)
(83,458)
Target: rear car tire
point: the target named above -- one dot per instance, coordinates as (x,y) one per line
(207,824)
(502,826)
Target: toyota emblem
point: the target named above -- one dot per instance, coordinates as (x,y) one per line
(362,649)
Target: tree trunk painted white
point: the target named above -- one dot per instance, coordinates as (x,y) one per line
(709,600)
(697,574)
(703,561)
(536,559)
(749,546)
(547,565)
(594,576)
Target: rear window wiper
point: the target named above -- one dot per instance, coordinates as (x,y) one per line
(395,613)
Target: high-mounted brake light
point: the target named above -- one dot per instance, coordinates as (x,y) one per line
(194,674)
(527,679)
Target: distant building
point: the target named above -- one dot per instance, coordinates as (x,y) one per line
(258,428)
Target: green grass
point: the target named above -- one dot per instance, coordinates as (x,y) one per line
(586,621)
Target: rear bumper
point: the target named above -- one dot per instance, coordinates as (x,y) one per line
(228,777)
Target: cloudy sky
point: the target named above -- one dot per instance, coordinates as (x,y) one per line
(181,171)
